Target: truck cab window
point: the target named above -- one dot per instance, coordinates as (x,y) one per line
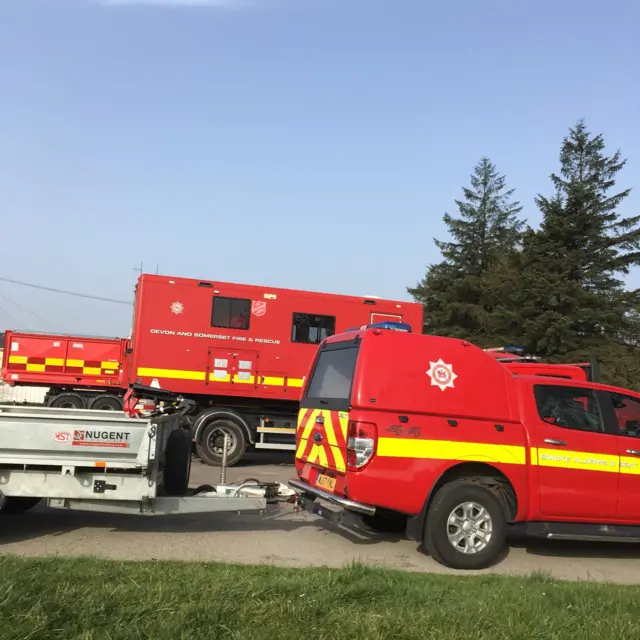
(568,407)
(230,313)
(627,410)
(311,329)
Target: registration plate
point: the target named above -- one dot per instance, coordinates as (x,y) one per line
(326,482)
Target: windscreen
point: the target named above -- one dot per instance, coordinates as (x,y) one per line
(332,376)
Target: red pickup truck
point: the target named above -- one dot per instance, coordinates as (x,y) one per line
(437,438)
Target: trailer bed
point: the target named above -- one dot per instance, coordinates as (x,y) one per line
(109,462)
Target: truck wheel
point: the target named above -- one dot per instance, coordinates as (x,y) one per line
(466,527)
(15,505)
(386,521)
(210,447)
(177,462)
(67,401)
(106,403)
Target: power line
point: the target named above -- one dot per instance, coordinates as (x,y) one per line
(64,291)
(6,313)
(35,315)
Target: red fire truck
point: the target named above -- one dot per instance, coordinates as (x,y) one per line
(240,351)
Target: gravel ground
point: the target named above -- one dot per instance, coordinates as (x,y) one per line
(283,538)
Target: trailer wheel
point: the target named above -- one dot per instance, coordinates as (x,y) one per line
(177,462)
(466,526)
(67,401)
(210,447)
(14,505)
(106,403)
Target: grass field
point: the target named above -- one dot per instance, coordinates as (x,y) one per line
(87,598)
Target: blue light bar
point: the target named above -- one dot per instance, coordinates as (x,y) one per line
(391,326)
(505,350)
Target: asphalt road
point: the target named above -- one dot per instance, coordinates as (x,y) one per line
(284,538)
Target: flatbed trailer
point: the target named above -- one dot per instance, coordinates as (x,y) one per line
(93,460)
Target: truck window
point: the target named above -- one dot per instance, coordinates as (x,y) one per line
(312,329)
(230,313)
(627,410)
(569,407)
(331,379)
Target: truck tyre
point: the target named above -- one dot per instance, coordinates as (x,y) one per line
(209,448)
(177,462)
(14,505)
(106,403)
(384,521)
(466,527)
(67,401)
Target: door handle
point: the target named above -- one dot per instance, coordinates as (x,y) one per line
(559,443)
(633,452)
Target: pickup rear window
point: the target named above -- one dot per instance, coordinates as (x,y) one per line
(332,376)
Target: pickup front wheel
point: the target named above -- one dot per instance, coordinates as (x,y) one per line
(466,527)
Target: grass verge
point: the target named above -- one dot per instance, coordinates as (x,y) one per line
(91,599)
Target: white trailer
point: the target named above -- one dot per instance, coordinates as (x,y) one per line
(109,462)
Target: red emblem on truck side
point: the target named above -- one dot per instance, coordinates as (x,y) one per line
(258,307)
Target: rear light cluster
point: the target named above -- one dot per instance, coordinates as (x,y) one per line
(362,438)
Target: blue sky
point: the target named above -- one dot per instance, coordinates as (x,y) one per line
(301,143)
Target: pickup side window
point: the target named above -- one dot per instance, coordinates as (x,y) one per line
(308,328)
(230,313)
(627,410)
(569,407)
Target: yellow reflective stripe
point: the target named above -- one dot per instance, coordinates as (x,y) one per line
(110,365)
(629,466)
(174,374)
(310,422)
(313,414)
(579,460)
(343,417)
(318,454)
(333,442)
(338,459)
(448,450)
(534,456)
(54,362)
(180,374)
(91,371)
(75,363)
(35,367)
(214,378)
(17,359)
(249,380)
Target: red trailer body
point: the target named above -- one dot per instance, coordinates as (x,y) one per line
(80,371)
(241,351)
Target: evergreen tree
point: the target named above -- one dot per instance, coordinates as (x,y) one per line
(571,299)
(456,291)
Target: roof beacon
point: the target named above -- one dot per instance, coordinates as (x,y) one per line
(391,326)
